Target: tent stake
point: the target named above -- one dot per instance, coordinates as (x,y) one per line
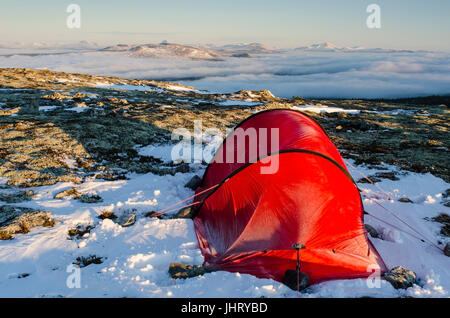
(298,247)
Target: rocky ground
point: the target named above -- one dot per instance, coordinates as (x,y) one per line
(48,119)
(57,127)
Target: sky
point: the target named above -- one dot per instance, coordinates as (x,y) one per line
(283,23)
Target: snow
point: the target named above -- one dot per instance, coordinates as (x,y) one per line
(47,108)
(142,88)
(78,109)
(163,152)
(231,102)
(136,258)
(178,88)
(325,109)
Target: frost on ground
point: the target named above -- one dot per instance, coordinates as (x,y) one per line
(135,259)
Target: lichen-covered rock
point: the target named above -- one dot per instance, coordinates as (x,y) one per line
(72,192)
(19,220)
(178,270)
(401,278)
(185,213)
(90,198)
(16,197)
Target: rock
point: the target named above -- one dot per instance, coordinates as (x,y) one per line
(178,270)
(20,220)
(154,214)
(31,108)
(185,213)
(194,183)
(80,231)
(79,96)
(16,197)
(400,277)
(445,230)
(387,175)
(290,280)
(75,194)
(371,230)
(405,200)
(69,192)
(447,249)
(55,96)
(126,220)
(444,219)
(90,198)
(86,261)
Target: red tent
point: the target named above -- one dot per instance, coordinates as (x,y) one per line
(249,222)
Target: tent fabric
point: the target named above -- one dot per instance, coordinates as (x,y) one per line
(249,223)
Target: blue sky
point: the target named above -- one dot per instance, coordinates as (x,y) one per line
(282,23)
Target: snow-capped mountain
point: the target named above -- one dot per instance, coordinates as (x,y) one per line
(248,48)
(328,46)
(166,50)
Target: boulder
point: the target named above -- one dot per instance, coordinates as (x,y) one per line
(185,213)
(405,200)
(400,277)
(371,230)
(20,220)
(194,183)
(290,280)
(447,249)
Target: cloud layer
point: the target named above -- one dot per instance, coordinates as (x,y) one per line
(353,74)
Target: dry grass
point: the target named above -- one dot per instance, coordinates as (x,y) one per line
(107,215)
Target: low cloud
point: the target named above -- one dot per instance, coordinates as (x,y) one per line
(356,74)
